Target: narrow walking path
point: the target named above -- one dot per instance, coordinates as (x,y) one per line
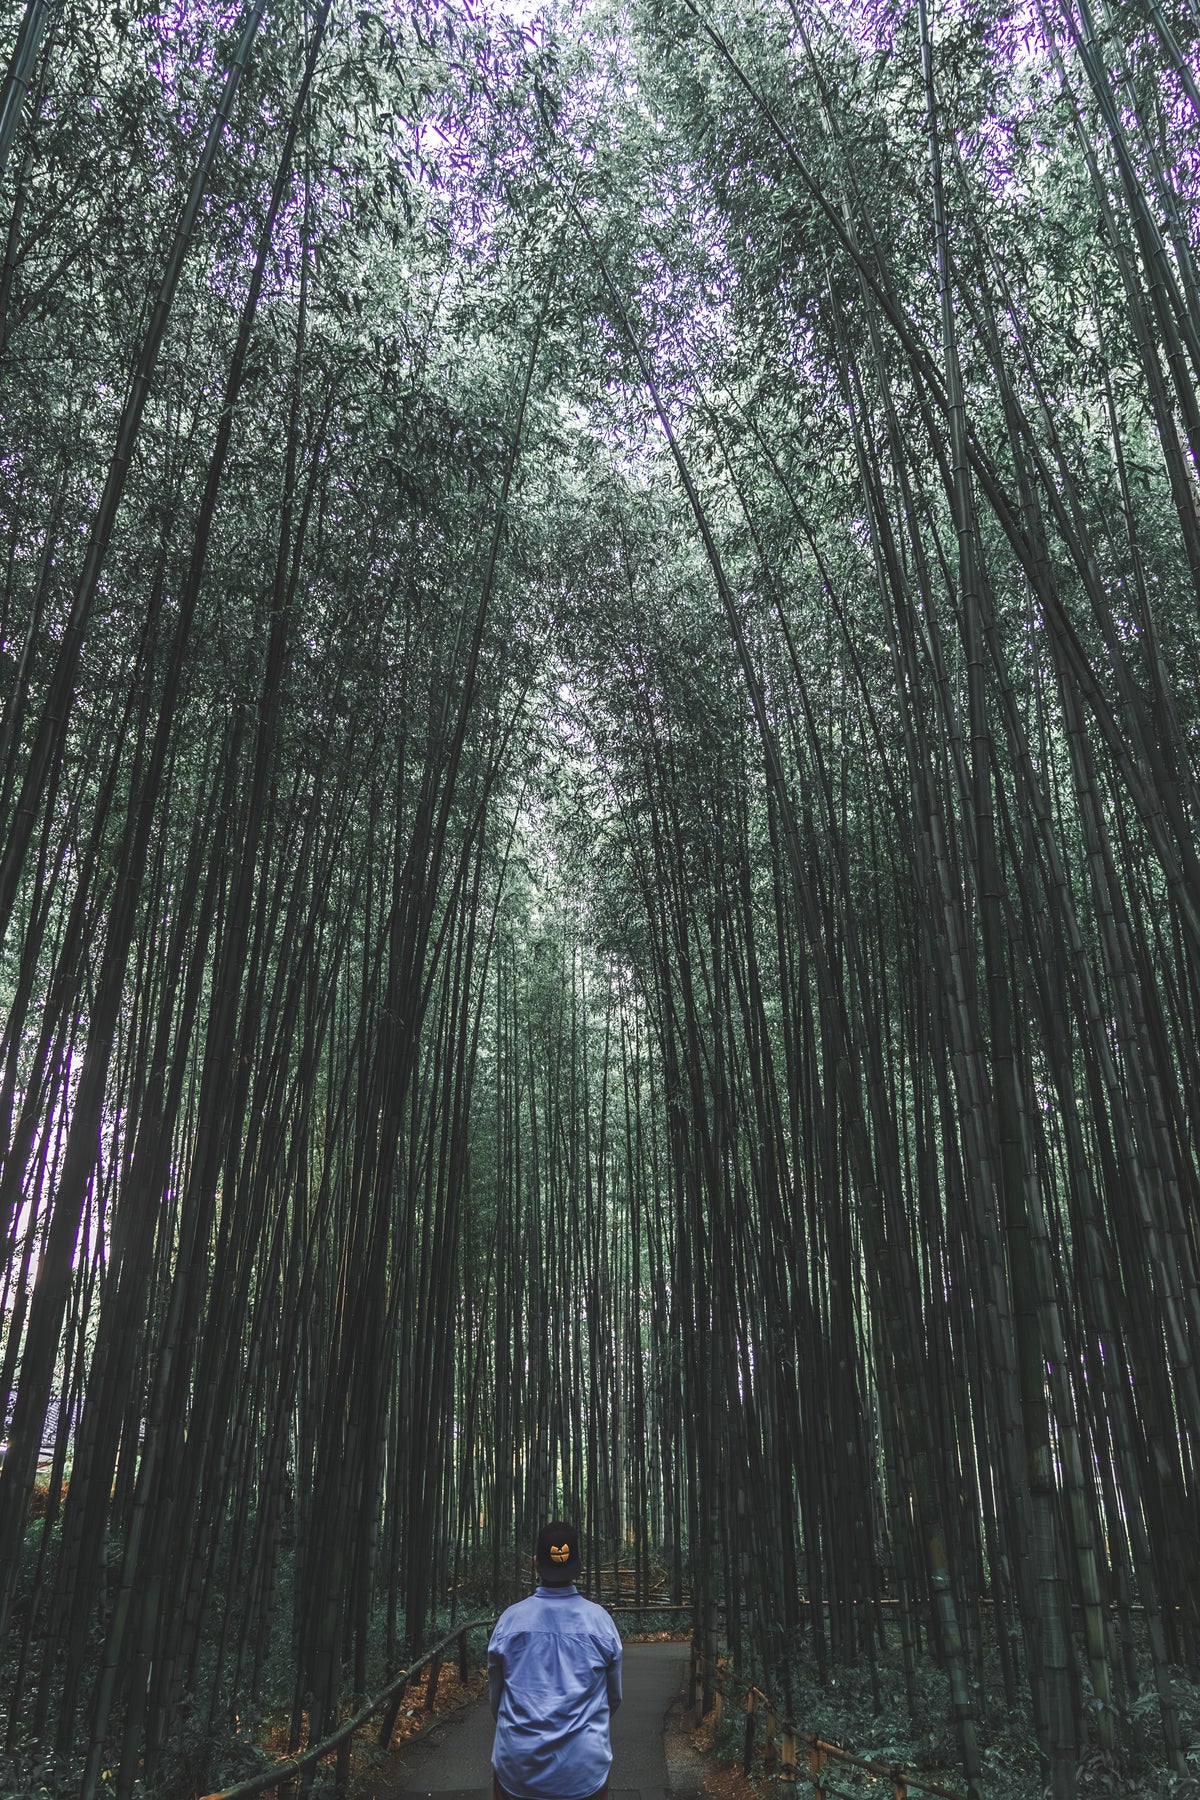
(455,1762)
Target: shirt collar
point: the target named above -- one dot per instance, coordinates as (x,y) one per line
(553,1593)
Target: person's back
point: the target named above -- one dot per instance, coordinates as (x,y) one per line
(554,1679)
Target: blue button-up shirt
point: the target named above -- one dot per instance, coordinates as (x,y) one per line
(554,1677)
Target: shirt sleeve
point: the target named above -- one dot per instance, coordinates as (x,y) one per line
(613,1678)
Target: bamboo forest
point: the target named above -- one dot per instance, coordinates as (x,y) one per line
(600,865)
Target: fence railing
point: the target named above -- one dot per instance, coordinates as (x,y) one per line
(782,1741)
(282,1775)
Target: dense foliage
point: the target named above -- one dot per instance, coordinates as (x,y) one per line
(599,848)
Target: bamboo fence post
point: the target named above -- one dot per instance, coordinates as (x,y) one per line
(341,1780)
(464,1666)
(770,1747)
(748,1740)
(391,1714)
(816,1762)
(899,1785)
(787,1765)
(435,1669)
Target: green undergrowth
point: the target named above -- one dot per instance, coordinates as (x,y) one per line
(845,1710)
(210,1746)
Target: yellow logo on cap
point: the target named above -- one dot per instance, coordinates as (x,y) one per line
(560,1553)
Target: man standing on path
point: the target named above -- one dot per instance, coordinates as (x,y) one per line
(554,1680)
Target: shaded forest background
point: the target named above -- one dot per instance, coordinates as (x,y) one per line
(599,855)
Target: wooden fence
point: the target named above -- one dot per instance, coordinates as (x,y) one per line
(283,1775)
(782,1744)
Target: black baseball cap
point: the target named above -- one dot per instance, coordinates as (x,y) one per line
(557,1554)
